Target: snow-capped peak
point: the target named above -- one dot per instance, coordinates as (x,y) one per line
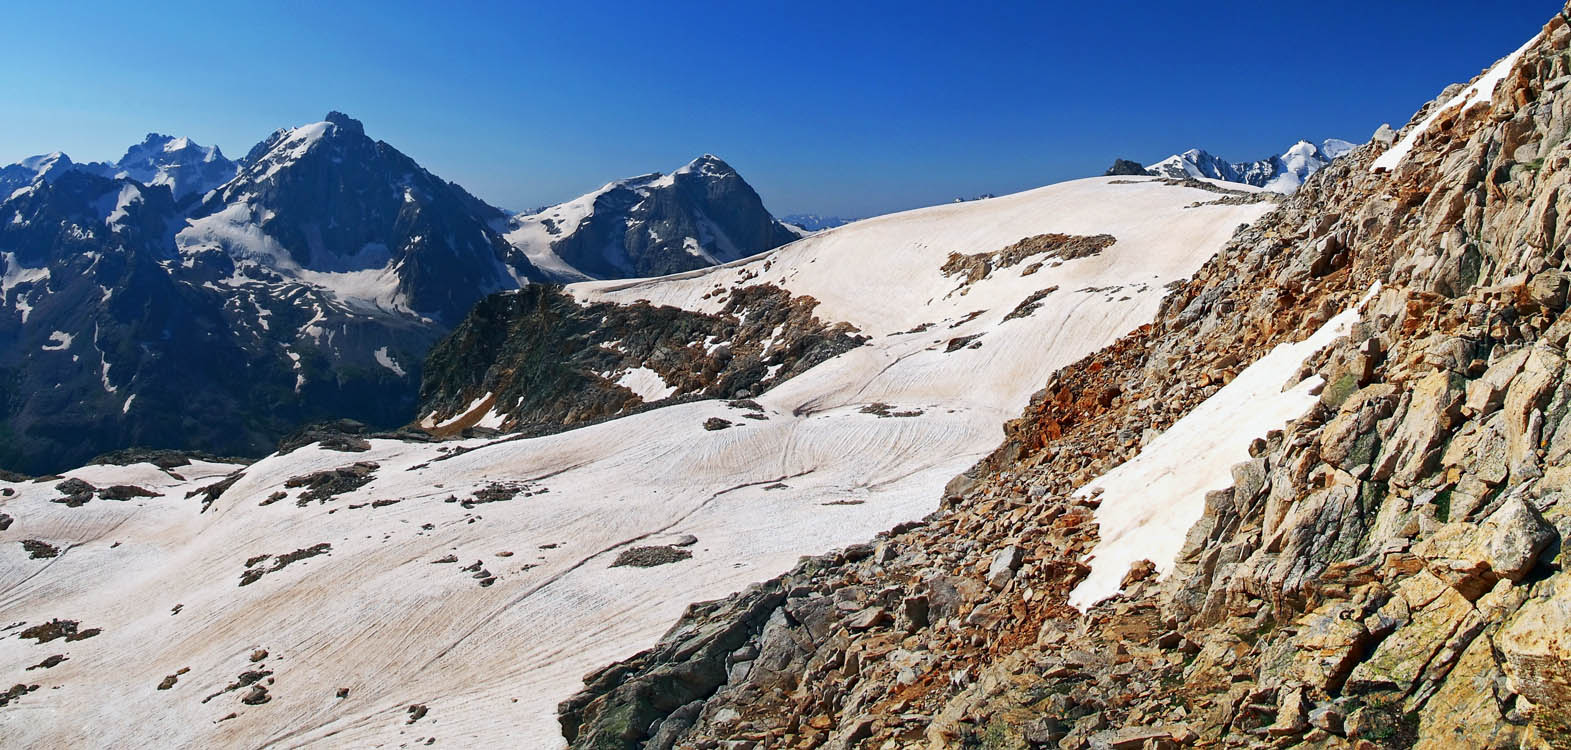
(1282,174)
(46,162)
(650,225)
(707,165)
(1336,148)
(180,163)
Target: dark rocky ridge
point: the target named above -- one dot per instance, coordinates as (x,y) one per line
(539,357)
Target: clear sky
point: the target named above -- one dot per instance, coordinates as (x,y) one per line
(849,107)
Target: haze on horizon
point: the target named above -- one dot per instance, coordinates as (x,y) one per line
(848,109)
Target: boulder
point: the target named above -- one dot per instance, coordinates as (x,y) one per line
(1412,448)
(1548,290)
(1485,394)
(1005,562)
(1505,546)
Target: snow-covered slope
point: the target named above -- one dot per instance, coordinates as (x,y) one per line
(373,640)
(1282,173)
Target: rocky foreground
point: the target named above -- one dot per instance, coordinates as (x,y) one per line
(1385,571)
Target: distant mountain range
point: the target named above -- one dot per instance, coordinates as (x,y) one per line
(177,299)
(1282,173)
(815,222)
(177,163)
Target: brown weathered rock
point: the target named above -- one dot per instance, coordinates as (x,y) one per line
(1410,452)
(1536,646)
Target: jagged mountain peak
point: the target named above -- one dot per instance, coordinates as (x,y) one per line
(44,162)
(708,165)
(348,124)
(182,164)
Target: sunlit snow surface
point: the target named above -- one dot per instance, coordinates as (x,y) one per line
(377,616)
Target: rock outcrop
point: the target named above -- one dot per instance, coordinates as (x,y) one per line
(1125,167)
(536,358)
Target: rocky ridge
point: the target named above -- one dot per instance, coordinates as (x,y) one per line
(1385,571)
(537,358)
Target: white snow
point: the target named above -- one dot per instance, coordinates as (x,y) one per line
(294,360)
(385,360)
(237,231)
(58,341)
(14,275)
(128,194)
(1481,91)
(1336,148)
(377,617)
(646,383)
(492,419)
(126,409)
(296,144)
(103,365)
(1150,502)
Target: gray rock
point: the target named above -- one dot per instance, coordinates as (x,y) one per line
(1514,536)
(1122,167)
(1005,562)
(1384,135)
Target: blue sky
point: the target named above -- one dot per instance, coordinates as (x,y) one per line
(849,108)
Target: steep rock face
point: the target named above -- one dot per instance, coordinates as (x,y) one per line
(537,358)
(653,225)
(325,200)
(1383,571)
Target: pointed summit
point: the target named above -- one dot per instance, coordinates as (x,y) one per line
(180,163)
(707,165)
(702,214)
(345,123)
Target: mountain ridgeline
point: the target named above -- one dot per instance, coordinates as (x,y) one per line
(1281,173)
(179,300)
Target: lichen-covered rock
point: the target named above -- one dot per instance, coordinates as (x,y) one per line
(1536,645)
(1432,408)
(1505,545)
